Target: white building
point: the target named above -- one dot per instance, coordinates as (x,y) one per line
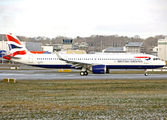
(134,47)
(114,50)
(155,51)
(48,48)
(52,47)
(162,49)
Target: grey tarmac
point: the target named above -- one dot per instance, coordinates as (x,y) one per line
(53,74)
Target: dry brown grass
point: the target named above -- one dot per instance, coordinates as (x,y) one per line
(85,99)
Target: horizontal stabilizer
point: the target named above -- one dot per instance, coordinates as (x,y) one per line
(10,57)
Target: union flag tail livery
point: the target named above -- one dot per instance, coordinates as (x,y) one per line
(15,47)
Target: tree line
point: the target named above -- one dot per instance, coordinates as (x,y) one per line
(96,42)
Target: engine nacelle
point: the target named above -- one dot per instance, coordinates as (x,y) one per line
(99,69)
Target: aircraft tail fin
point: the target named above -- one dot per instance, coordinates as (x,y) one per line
(15,47)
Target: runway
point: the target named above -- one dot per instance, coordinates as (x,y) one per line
(55,75)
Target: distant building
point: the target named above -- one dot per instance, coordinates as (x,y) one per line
(52,47)
(48,48)
(57,47)
(134,47)
(83,45)
(33,46)
(114,50)
(155,51)
(73,52)
(131,47)
(67,44)
(4,46)
(162,49)
(75,47)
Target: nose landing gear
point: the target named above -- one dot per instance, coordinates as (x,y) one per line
(146,74)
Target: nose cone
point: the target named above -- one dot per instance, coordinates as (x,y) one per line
(163,63)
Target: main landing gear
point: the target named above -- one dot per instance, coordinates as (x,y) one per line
(146,74)
(83,73)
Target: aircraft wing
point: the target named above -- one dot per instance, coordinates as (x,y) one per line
(77,64)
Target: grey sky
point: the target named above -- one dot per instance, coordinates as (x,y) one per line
(83,18)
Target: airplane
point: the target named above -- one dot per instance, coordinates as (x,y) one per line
(96,63)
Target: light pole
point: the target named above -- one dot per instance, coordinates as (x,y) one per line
(85,44)
(101,45)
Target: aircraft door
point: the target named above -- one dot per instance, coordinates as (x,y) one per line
(30,59)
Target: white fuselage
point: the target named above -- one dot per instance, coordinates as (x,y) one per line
(112,61)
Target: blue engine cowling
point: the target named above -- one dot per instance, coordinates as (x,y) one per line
(99,69)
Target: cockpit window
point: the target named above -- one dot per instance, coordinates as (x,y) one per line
(156,59)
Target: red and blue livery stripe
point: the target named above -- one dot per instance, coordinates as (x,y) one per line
(147,57)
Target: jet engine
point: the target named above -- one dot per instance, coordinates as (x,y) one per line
(99,69)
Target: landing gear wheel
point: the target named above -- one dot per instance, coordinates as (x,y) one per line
(146,74)
(82,73)
(85,73)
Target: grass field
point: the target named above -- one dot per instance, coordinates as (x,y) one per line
(84,99)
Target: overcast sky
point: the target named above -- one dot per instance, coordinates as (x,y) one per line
(83,18)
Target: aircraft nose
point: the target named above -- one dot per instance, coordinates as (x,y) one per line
(163,63)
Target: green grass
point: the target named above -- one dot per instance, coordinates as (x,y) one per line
(84,99)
